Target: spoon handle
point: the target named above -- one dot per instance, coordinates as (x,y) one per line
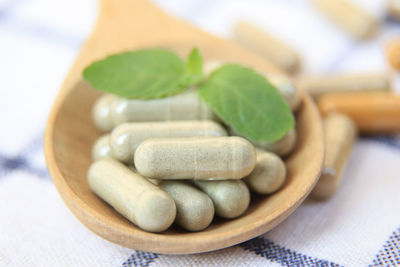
(128,25)
(133,24)
(121,25)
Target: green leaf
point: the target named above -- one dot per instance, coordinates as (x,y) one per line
(249,104)
(194,67)
(143,74)
(194,62)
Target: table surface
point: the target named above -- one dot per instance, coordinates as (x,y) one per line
(39,40)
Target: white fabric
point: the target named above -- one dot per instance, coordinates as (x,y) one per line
(39,40)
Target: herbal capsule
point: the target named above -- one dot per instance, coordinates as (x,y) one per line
(101,148)
(185,106)
(268,175)
(394,9)
(195,158)
(287,89)
(231,198)
(126,137)
(279,53)
(132,195)
(345,83)
(351,18)
(372,112)
(340,135)
(282,147)
(211,65)
(101,113)
(393,53)
(194,209)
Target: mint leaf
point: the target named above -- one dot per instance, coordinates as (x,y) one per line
(143,74)
(194,68)
(194,62)
(247,102)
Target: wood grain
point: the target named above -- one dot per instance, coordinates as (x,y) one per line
(70,134)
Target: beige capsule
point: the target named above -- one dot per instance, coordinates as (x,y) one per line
(132,195)
(231,198)
(154,181)
(282,147)
(267,45)
(394,9)
(287,89)
(393,52)
(101,113)
(101,148)
(194,209)
(350,17)
(212,65)
(318,86)
(125,138)
(195,158)
(269,174)
(340,135)
(184,106)
(373,113)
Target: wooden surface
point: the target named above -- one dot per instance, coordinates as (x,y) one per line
(70,134)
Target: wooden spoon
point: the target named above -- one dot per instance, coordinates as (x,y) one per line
(70,134)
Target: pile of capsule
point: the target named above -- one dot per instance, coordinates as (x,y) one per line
(171,160)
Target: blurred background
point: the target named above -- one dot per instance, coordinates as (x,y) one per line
(39,40)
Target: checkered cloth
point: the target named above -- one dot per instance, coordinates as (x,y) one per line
(39,40)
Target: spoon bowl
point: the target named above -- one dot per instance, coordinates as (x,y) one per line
(70,134)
